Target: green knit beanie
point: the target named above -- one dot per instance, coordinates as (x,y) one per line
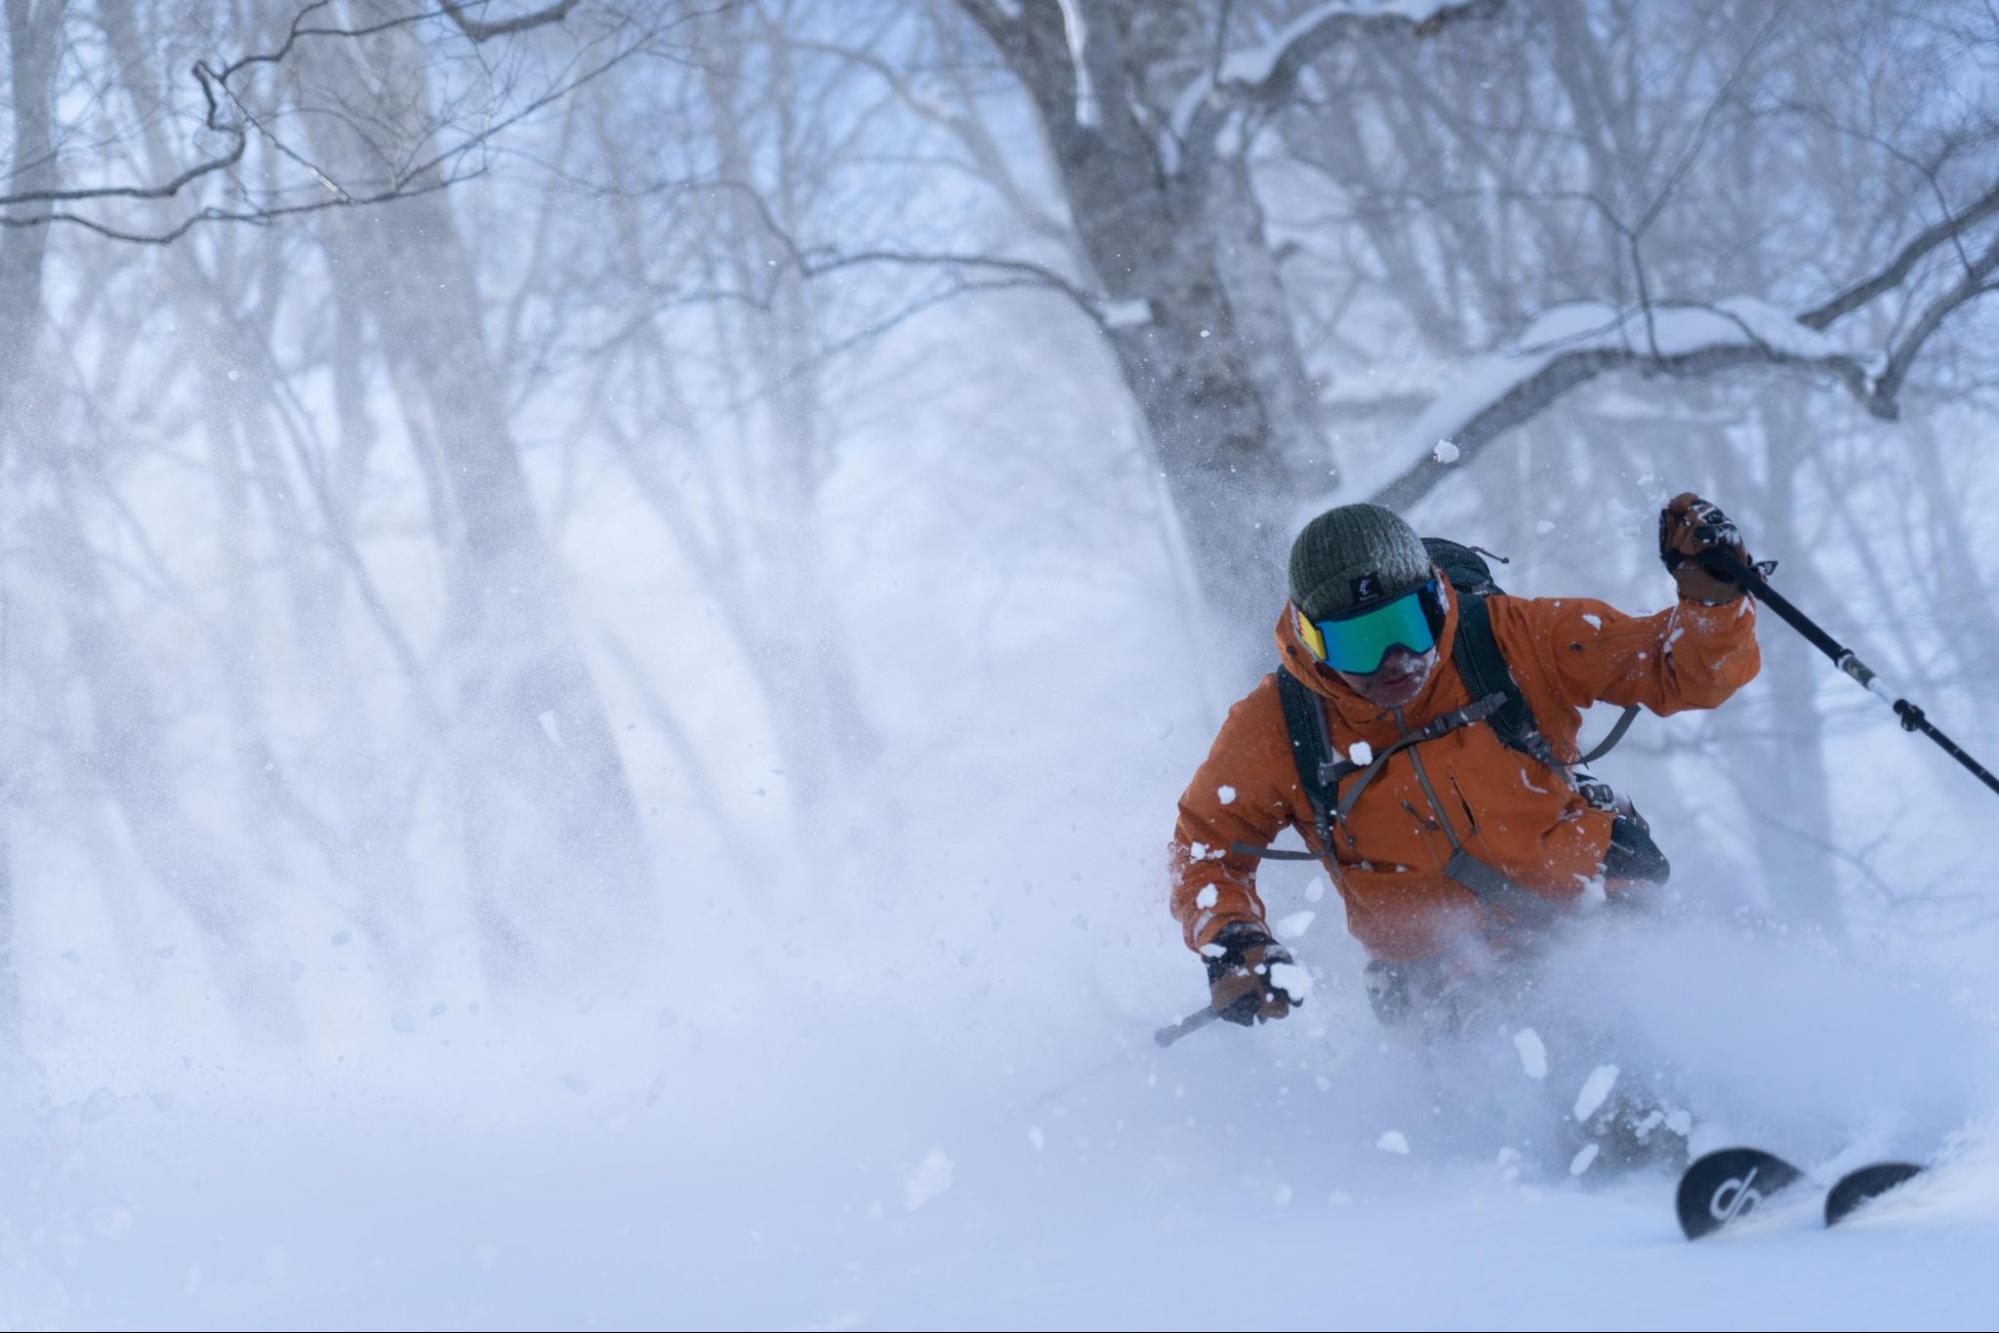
(1353,555)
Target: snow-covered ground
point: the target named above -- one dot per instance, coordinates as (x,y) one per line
(823,1168)
(911,1084)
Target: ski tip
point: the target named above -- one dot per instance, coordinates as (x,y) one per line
(1726,1186)
(1869,1182)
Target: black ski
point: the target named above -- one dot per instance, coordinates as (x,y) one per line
(1727,1186)
(1869,1182)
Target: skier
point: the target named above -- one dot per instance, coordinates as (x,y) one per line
(1434,720)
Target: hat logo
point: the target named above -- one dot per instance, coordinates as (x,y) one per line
(1367,587)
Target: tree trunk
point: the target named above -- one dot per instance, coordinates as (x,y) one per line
(1788,791)
(796,638)
(33,37)
(552,837)
(1214,365)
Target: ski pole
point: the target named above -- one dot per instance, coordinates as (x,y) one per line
(1165,1036)
(1193,1022)
(1912,718)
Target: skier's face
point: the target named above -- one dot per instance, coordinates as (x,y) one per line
(1396,681)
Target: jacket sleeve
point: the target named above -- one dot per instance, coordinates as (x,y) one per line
(1688,656)
(1242,792)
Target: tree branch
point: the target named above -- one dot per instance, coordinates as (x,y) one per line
(1524,395)
(1726,339)
(480,31)
(1884,402)
(1035,274)
(1904,262)
(217,89)
(1267,76)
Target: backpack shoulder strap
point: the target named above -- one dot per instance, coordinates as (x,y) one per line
(1484,669)
(1311,742)
(1319,767)
(1609,742)
(1478,659)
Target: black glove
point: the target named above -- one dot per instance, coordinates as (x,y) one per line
(1689,528)
(1239,978)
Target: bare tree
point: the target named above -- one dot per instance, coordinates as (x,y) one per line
(33,41)
(1148,115)
(540,783)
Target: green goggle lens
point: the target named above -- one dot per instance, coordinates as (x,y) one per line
(1356,644)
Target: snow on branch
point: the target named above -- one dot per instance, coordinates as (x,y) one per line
(1294,45)
(1266,75)
(1570,345)
(484,30)
(1078,33)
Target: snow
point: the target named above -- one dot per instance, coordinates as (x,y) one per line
(1180,122)
(1231,137)
(1087,114)
(1207,897)
(1256,64)
(1025,1238)
(1361,753)
(1131,314)
(810,1167)
(1544,526)
(1295,924)
(1292,979)
(1583,1160)
(1446,452)
(1533,1053)
(1225,794)
(1595,1091)
(1593,620)
(927,1180)
(1252,66)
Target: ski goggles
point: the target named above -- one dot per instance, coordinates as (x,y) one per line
(1357,641)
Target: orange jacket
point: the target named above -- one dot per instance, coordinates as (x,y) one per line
(1512,813)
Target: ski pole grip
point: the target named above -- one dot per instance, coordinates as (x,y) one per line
(1735,571)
